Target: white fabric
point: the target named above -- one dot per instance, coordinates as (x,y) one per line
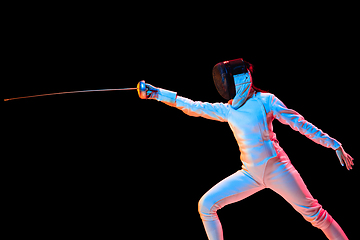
(166,96)
(265,164)
(334,232)
(280,176)
(250,116)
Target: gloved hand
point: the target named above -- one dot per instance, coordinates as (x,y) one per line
(344,158)
(152,92)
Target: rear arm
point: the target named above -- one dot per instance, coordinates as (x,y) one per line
(298,123)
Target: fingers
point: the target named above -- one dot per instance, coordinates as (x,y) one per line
(151,91)
(150,87)
(348,165)
(345,159)
(148,94)
(350,161)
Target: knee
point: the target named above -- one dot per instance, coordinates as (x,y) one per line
(321,219)
(207,208)
(317,216)
(203,205)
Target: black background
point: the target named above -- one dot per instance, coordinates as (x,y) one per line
(110,164)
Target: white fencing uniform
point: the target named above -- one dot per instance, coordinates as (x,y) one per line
(265,164)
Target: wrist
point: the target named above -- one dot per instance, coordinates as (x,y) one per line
(166,96)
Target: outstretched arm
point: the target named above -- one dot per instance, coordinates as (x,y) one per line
(213,111)
(297,122)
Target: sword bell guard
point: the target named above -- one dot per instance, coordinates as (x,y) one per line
(141,89)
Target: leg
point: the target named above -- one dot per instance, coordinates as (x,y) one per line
(334,232)
(232,189)
(285,180)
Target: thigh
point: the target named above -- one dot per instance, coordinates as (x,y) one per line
(293,189)
(282,177)
(290,186)
(232,189)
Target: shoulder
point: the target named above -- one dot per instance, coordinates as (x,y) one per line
(271,102)
(265,97)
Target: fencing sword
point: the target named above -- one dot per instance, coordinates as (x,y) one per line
(141,89)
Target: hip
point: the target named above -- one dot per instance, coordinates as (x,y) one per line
(278,165)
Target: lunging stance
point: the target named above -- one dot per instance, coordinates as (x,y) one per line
(250,113)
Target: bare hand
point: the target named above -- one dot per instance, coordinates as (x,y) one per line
(344,158)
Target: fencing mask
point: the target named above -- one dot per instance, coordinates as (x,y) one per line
(233,80)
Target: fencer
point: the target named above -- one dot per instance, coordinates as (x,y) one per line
(250,113)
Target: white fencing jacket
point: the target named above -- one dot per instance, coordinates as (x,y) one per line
(252,124)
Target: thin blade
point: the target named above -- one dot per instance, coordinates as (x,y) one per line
(83,91)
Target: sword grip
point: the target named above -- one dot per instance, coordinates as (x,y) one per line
(141,89)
